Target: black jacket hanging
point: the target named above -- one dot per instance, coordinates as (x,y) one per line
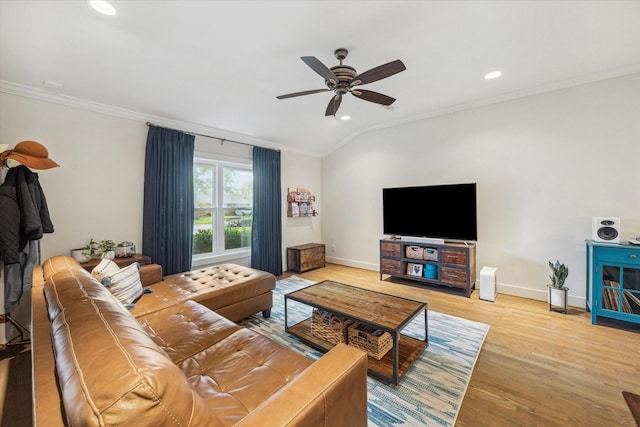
(24,217)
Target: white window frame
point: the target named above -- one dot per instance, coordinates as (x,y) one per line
(221,255)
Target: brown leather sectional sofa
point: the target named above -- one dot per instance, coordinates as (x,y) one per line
(174,361)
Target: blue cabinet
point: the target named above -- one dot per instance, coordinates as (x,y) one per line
(613,281)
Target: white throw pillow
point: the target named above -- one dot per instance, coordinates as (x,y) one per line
(106,267)
(125,284)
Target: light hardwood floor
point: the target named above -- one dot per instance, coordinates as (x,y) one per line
(536,367)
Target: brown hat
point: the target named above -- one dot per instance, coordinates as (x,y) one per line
(31,154)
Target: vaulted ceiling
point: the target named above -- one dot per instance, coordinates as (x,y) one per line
(217,66)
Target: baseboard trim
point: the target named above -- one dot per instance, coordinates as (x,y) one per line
(354,263)
(537,294)
(501,288)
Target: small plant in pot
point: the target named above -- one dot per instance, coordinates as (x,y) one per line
(557,290)
(107,248)
(91,249)
(101,249)
(80,255)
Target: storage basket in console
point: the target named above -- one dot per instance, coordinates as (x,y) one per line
(414,252)
(430,254)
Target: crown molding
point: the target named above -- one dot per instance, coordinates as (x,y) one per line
(56,98)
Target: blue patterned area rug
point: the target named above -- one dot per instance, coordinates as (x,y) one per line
(430,393)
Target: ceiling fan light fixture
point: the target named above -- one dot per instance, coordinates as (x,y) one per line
(345,118)
(493,75)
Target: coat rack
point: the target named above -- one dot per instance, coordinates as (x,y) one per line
(34,155)
(24,335)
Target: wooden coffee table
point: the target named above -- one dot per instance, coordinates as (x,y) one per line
(381,311)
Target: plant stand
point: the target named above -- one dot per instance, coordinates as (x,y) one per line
(557,297)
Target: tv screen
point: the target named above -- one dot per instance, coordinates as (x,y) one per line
(439,211)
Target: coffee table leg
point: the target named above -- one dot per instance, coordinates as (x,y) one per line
(426,327)
(396,353)
(286,324)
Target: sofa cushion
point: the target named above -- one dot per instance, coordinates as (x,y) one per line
(242,371)
(185,329)
(125,283)
(60,266)
(232,368)
(104,268)
(214,287)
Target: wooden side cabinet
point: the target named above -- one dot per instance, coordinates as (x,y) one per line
(449,264)
(613,281)
(120,262)
(306,257)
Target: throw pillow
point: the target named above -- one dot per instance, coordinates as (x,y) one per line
(125,284)
(106,267)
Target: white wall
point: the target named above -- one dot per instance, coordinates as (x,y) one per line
(301,171)
(98,189)
(544,165)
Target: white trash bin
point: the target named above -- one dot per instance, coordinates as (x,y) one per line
(488,283)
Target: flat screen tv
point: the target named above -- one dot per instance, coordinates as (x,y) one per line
(437,211)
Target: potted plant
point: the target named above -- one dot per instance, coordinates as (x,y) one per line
(107,248)
(557,290)
(91,249)
(80,255)
(101,249)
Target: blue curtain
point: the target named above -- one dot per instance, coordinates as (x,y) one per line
(266,230)
(167,223)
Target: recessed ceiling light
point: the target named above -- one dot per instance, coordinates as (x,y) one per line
(103,7)
(493,75)
(345,117)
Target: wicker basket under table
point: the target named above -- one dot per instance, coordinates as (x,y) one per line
(374,341)
(329,327)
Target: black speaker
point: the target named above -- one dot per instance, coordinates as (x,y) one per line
(606,230)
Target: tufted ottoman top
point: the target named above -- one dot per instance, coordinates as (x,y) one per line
(216,286)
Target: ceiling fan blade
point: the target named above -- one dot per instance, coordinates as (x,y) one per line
(380,72)
(371,96)
(306,92)
(333,106)
(317,66)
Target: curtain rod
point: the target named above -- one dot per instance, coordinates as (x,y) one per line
(222,140)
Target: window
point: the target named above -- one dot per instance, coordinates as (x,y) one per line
(223,211)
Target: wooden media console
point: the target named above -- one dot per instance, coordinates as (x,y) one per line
(449,264)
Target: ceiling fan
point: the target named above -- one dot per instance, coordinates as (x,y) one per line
(342,79)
